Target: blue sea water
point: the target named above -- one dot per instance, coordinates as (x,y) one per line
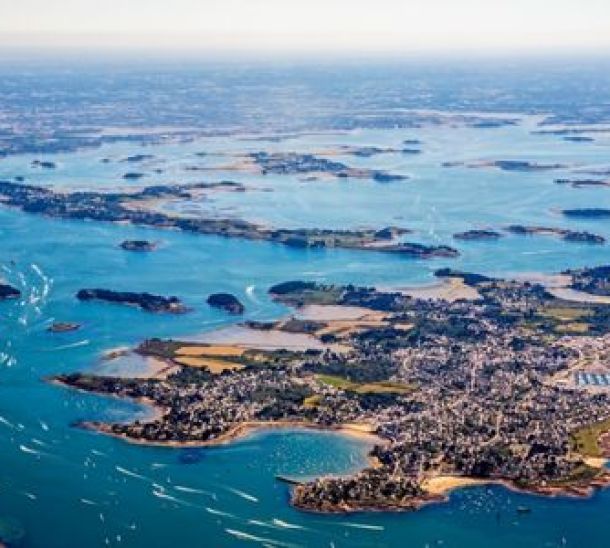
(61,486)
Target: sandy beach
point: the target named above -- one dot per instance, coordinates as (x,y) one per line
(448,289)
(330,312)
(443,485)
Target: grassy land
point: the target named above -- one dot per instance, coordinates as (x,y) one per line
(566,313)
(381,387)
(325,295)
(567,319)
(312,401)
(585,440)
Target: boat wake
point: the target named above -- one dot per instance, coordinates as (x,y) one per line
(242,494)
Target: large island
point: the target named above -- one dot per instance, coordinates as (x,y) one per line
(143,207)
(469,391)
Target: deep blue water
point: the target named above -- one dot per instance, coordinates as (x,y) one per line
(60,486)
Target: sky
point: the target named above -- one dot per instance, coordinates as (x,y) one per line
(287,26)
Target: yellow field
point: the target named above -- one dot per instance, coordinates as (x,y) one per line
(210,350)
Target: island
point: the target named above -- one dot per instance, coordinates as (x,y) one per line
(580,183)
(138,245)
(133,175)
(137,158)
(563,233)
(145,301)
(462,392)
(477,234)
(523,166)
(588,213)
(295,163)
(145,207)
(369,151)
(44,164)
(63,327)
(227,302)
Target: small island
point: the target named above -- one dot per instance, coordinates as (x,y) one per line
(588,213)
(138,245)
(63,327)
(563,233)
(145,301)
(581,183)
(226,301)
(44,164)
(477,234)
(133,175)
(136,158)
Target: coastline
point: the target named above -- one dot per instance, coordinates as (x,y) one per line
(155,411)
(240,431)
(438,488)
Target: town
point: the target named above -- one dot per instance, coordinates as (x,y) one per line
(465,389)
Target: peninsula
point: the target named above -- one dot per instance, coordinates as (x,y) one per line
(468,391)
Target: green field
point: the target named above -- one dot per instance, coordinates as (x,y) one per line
(584,441)
(380,387)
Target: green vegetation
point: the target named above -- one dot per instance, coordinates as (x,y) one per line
(312,401)
(379,387)
(585,440)
(565,313)
(563,318)
(301,293)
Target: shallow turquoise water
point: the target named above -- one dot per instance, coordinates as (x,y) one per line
(63,485)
